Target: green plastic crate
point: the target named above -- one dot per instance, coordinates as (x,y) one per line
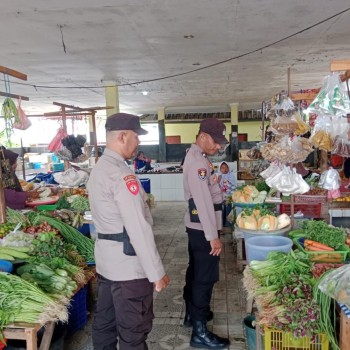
(323,256)
(47,207)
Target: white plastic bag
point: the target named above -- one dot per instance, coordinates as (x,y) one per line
(71,177)
(330,179)
(336,284)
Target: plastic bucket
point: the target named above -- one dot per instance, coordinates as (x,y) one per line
(257,248)
(249,332)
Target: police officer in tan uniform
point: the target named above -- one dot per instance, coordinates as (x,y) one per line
(128,265)
(203,221)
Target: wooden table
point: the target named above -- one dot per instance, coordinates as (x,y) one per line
(344,338)
(28,332)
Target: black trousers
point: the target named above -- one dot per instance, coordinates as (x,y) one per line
(201,275)
(124,310)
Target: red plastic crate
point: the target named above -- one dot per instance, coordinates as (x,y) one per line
(309,210)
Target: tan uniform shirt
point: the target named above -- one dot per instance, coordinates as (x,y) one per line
(118,200)
(201,184)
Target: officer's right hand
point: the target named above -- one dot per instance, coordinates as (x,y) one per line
(216,247)
(161,284)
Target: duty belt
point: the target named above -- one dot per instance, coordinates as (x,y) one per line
(123,237)
(194,217)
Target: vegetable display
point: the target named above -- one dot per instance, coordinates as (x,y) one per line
(261,219)
(287,295)
(22,301)
(85,246)
(321,232)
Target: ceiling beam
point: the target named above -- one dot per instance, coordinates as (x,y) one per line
(339,65)
(13,73)
(23,98)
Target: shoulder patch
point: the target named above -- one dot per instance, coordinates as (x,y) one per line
(132,184)
(202,173)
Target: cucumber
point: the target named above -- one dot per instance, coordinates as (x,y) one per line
(4,256)
(15,254)
(17,249)
(296,233)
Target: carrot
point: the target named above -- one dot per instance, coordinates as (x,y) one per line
(318,245)
(315,249)
(331,257)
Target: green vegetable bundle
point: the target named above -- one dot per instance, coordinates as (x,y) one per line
(22,301)
(55,282)
(284,290)
(320,231)
(85,246)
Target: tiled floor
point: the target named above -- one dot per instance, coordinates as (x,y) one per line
(228,302)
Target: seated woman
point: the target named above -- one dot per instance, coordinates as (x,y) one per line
(141,162)
(15,198)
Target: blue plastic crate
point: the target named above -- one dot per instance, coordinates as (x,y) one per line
(77,312)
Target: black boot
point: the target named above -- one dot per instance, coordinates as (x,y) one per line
(188,320)
(202,338)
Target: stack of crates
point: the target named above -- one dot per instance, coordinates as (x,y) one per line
(279,340)
(77,312)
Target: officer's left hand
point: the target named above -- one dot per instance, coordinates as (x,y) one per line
(216,247)
(161,284)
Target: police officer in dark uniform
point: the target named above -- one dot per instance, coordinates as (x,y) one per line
(203,222)
(128,264)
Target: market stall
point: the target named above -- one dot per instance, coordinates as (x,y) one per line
(294,291)
(52,264)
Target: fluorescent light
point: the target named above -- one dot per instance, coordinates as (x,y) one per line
(144,93)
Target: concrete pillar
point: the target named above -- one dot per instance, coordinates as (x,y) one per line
(234,131)
(112,97)
(161,130)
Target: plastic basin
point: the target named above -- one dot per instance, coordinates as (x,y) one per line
(6,266)
(258,233)
(257,248)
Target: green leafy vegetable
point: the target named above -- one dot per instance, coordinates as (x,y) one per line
(320,231)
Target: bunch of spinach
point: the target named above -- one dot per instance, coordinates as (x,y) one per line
(320,231)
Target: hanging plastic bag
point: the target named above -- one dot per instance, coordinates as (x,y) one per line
(23,122)
(321,136)
(302,127)
(56,143)
(283,125)
(330,179)
(336,284)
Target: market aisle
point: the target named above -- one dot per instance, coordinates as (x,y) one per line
(228,301)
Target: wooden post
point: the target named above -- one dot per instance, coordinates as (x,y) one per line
(344,338)
(64,125)
(93,121)
(288,81)
(2,201)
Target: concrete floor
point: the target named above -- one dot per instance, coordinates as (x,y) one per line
(228,302)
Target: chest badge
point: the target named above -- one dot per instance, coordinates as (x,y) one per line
(132,184)
(202,173)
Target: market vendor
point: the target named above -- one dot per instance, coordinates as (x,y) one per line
(141,162)
(15,198)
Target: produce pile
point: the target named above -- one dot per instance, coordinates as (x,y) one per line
(323,243)
(53,258)
(261,219)
(288,296)
(249,195)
